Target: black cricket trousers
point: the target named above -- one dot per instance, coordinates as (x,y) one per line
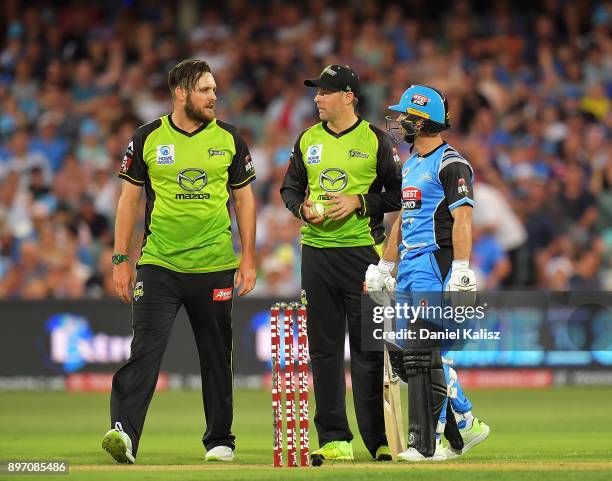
(158,295)
(333,280)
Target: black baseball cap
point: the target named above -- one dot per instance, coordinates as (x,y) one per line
(337,78)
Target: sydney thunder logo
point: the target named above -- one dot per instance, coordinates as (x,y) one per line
(138,290)
(357,153)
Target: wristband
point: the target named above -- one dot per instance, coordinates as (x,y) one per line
(460,265)
(385,266)
(119,258)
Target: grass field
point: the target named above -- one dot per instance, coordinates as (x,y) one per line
(557,434)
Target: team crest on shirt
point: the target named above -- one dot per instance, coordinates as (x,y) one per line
(165,154)
(357,153)
(213,152)
(462,188)
(313,154)
(138,290)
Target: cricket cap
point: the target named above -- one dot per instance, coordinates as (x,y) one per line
(337,78)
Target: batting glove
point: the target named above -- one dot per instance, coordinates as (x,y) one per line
(462,277)
(378,279)
(461,286)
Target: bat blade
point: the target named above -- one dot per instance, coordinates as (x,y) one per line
(394,424)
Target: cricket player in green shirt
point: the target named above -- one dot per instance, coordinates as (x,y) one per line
(334,183)
(188,163)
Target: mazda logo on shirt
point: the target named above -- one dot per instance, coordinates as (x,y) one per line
(333,180)
(192,180)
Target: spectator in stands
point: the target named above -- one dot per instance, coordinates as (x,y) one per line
(530,90)
(23,159)
(489,260)
(48,142)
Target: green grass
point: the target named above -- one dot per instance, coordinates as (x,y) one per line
(558,434)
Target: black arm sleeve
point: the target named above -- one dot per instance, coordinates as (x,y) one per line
(241,171)
(133,167)
(388,172)
(456,179)
(295,183)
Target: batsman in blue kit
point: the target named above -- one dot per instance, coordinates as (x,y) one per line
(434,236)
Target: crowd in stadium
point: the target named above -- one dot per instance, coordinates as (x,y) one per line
(529,97)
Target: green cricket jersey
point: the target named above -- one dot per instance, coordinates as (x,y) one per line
(187,177)
(361,160)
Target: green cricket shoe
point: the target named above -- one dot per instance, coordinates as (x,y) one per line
(334,450)
(383,453)
(119,445)
(471,437)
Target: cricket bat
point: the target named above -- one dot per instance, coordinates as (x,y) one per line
(392,402)
(394,423)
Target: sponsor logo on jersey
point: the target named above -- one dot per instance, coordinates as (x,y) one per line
(181,196)
(397,161)
(213,152)
(356,153)
(125,165)
(222,294)
(165,154)
(248,165)
(192,180)
(411,198)
(333,180)
(462,188)
(419,100)
(313,154)
(396,156)
(138,290)
(425,176)
(127,158)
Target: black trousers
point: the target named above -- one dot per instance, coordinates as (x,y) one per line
(333,279)
(158,295)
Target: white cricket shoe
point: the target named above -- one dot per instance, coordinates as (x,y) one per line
(476,434)
(220,453)
(411,454)
(119,445)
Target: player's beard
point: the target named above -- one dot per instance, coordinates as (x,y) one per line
(197,114)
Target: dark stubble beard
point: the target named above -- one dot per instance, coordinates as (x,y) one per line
(195,114)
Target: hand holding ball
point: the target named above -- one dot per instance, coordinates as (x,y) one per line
(317,209)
